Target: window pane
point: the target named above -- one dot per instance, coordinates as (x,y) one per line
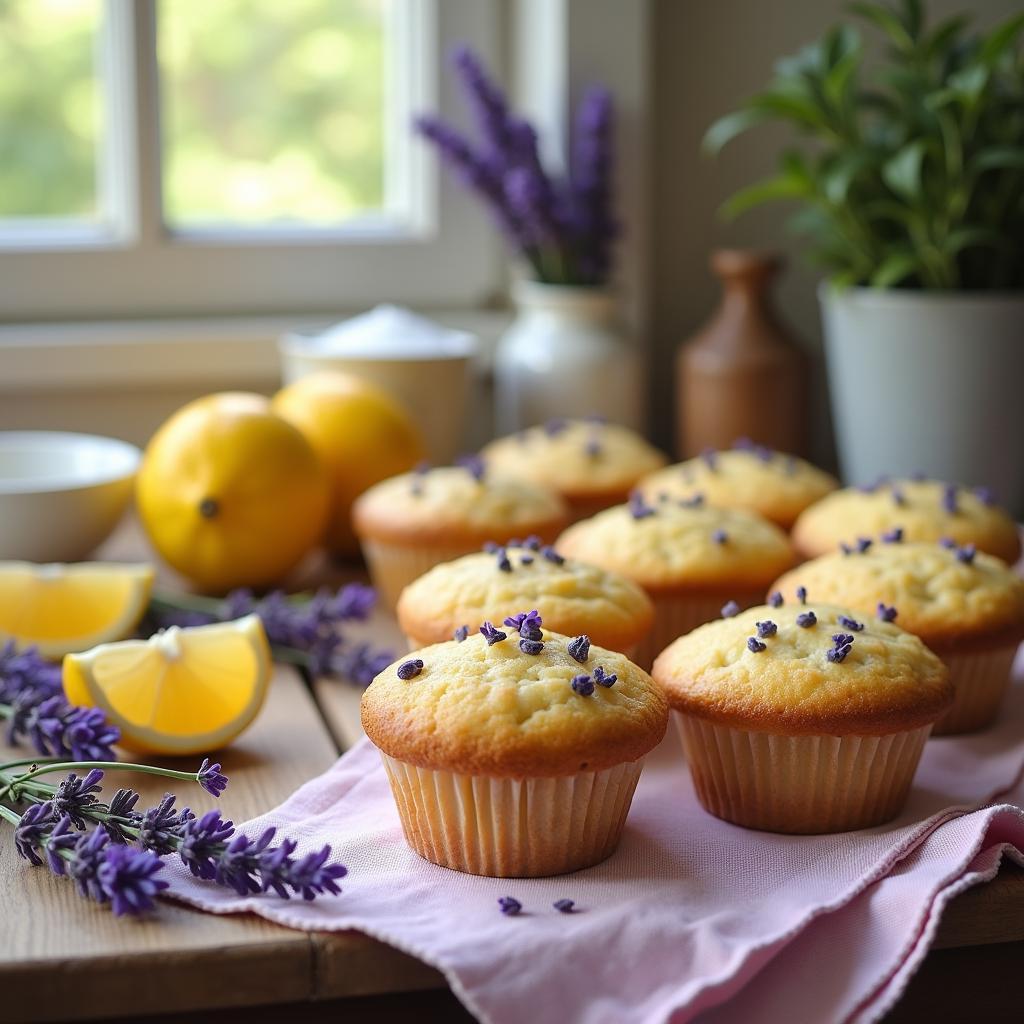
(49,108)
(273,112)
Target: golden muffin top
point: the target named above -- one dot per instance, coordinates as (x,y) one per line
(926,510)
(945,594)
(672,545)
(747,476)
(572,597)
(576,458)
(805,669)
(511,702)
(464,504)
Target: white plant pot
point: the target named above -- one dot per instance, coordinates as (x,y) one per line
(928,382)
(563,356)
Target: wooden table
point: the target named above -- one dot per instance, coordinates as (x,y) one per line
(63,958)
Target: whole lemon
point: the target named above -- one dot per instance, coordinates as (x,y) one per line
(230,494)
(361,434)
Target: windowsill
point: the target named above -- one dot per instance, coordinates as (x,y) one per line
(209,353)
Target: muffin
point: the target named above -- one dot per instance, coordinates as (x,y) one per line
(925,510)
(591,464)
(794,721)
(747,476)
(967,607)
(690,558)
(514,755)
(572,597)
(408,524)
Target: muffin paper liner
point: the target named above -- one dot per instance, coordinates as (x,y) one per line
(980,680)
(675,615)
(800,784)
(393,567)
(512,828)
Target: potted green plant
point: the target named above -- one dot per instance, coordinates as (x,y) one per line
(909,173)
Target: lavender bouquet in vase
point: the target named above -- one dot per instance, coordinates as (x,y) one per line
(563,356)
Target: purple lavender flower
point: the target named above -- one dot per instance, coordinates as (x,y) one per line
(887,613)
(526,623)
(237,865)
(492,635)
(83,866)
(801,595)
(488,103)
(551,555)
(710,458)
(743,444)
(211,778)
(948,543)
(61,838)
(638,507)
(847,623)
(526,559)
(845,548)
(583,685)
(893,536)
(555,426)
(766,629)
(312,876)
(532,647)
(985,495)
(473,464)
(126,879)
(31,831)
(361,663)
(603,678)
(694,501)
(122,814)
(775,599)
(509,905)
(201,841)
(564,906)
(74,794)
(863,544)
(504,565)
(966,554)
(579,648)
(461,633)
(842,644)
(719,536)
(160,827)
(764,453)
(533,542)
(589,196)
(755,646)
(730,609)
(806,619)
(898,496)
(410,669)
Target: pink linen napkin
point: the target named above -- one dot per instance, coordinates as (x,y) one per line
(690,916)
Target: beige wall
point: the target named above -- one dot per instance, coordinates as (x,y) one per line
(709,54)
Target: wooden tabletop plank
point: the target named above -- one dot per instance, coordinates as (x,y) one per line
(178,958)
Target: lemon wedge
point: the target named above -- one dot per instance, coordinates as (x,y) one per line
(64,608)
(182,691)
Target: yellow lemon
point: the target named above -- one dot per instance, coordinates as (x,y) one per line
(182,691)
(62,608)
(361,434)
(230,494)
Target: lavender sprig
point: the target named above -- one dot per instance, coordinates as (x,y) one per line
(306,631)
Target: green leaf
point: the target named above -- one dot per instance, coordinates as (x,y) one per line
(894,268)
(1000,39)
(913,17)
(844,68)
(839,174)
(944,34)
(882,17)
(728,127)
(969,81)
(998,157)
(903,172)
(801,110)
(969,237)
(782,186)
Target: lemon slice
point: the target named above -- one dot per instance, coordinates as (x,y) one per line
(182,691)
(64,608)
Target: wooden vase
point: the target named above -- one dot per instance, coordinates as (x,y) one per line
(741,374)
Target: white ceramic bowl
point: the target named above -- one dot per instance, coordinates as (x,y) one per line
(61,495)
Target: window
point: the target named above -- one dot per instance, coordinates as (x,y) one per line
(245,156)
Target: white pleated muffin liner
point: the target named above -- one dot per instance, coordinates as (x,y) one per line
(512,828)
(800,784)
(980,680)
(393,567)
(676,614)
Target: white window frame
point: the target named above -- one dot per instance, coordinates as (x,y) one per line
(133,266)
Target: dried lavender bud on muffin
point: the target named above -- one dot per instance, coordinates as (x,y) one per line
(591,464)
(572,597)
(747,476)
(690,559)
(515,752)
(819,728)
(925,510)
(410,523)
(967,607)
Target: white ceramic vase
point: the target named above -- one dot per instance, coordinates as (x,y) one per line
(564,356)
(928,381)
